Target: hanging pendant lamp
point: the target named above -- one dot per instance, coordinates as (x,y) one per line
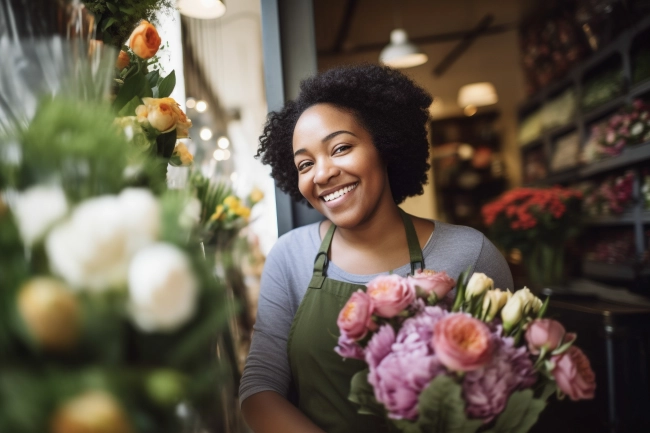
(401,53)
(202,9)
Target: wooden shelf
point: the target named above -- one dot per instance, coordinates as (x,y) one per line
(625,218)
(631,155)
(534,143)
(641,88)
(597,270)
(561,130)
(604,109)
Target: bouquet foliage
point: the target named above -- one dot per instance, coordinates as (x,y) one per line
(485,360)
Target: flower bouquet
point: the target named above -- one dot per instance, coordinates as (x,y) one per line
(485,360)
(538,222)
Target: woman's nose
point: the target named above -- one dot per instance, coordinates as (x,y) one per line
(324,172)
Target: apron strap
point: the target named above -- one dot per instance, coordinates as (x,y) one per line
(321,261)
(415,252)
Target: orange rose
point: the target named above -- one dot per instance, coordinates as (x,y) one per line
(183,123)
(164,114)
(122,61)
(145,40)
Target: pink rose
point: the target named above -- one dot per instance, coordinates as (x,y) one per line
(355,319)
(348,348)
(461,342)
(546,333)
(391,294)
(574,375)
(427,282)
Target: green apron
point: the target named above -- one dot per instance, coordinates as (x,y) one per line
(321,377)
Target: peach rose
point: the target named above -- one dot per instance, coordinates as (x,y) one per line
(391,294)
(574,375)
(122,61)
(145,40)
(183,123)
(355,319)
(427,282)
(548,334)
(160,113)
(461,342)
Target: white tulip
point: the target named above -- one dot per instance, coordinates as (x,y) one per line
(478,284)
(495,300)
(512,312)
(36,209)
(530,302)
(162,288)
(92,249)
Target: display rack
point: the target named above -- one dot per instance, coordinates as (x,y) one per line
(618,52)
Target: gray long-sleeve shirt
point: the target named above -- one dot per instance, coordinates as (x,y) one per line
(288,271)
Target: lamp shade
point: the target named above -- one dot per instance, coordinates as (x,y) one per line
(202,9)
(477,94)
(400,53)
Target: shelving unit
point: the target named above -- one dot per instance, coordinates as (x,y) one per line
(618,52)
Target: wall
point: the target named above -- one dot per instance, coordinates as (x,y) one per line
(493,58)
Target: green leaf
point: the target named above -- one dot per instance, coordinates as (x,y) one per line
(126,10)
(442,408)
(135,85)
(129,108)
(167,85)
(111,7)
(520,414)
(153,77)
(166,143)
(109,22)
(542,311)
(362,393)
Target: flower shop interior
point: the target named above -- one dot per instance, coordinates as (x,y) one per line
(539,135)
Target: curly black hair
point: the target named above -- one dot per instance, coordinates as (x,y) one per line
(392,108)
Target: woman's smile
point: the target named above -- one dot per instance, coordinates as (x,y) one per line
(340,172)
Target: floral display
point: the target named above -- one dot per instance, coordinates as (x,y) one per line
(645,189)
(628,127)
(614,247)
(538,222)
(149,117)
(480,359)
(610,197)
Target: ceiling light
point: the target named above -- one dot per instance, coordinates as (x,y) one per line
(223,142)
(201,106)
(219,154)
(465,151)
(190,103)
(205,134)
(470,110)
(400,53)
(202,9)
(477,94)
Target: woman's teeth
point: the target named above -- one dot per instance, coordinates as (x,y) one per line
(340,192)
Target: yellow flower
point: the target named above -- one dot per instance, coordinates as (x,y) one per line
(164,114)
(181,156)
(243,212)
(256,196)
(231,202)
(218,213)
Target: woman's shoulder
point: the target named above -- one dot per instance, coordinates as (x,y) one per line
(297,241)
(457,233)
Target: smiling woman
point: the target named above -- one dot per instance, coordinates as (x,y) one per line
(353,145)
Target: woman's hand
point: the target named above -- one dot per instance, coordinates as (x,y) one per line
(269,412)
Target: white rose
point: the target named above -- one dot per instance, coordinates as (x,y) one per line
(636,129)
(478,284)
(92,249)
(162,288)
(495,300)
(36,209)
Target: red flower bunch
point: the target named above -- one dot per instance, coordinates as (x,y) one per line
(523,214)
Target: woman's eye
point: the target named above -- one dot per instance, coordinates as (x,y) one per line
(304,165)
(341,149)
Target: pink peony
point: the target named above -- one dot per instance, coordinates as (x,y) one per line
(462,343)
(427,282)
(355,319)
(391,294)
(349,348)
(487,389)
(574,375)
(379,345)
(546,333)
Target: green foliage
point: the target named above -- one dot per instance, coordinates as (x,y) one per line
(210,194)
(362,394)
(520,414)
(441,409)
(116,19)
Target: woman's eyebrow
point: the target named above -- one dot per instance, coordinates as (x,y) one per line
(324,140)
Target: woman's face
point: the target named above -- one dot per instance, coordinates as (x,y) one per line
(340,172)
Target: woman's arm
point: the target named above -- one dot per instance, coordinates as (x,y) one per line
(269,412)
